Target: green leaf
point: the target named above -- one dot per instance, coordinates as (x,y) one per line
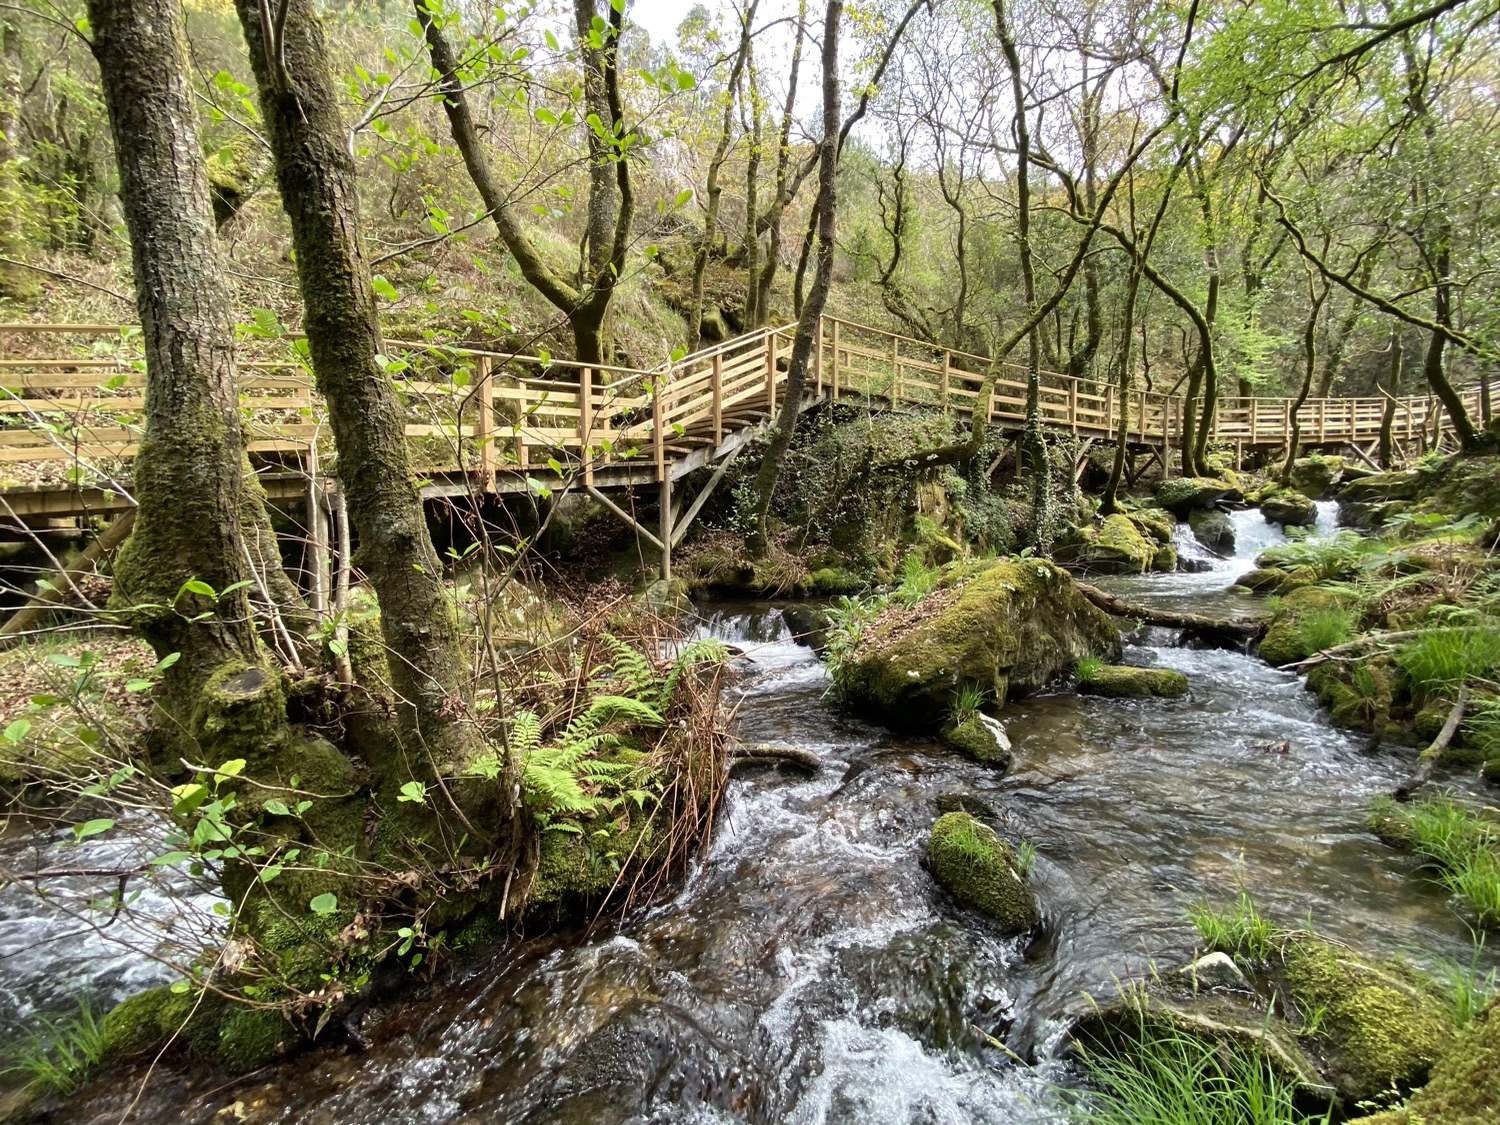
(684,196)
(91,828)
(277,808)
(546,116)
(270,872)
(415,792)
(234,767)
(385,288)
(324,904)
(195,586)
(17,731)
(139,685)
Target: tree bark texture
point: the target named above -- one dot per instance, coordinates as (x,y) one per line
(315,172)
(189,470)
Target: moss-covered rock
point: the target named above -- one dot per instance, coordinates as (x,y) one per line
(667,598)
(981,870)
(1155,523)
(1284,642)
(1464,1088)
(1008,628)
(1185,494)
(1290,509)
(1314,476)
(1372,1027)
(1120,681)
(1115,545)
(1263,580)
(981,737)
(1214,529)
(1378,488)
(1165,559)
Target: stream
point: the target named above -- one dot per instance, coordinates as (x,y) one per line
(811,971)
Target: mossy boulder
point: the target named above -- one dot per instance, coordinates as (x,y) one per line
(668,598)
(1464,1088)
(981,737)
(1185,494)
(1155,523)
(1380,488)
(1289,509)
(981,871)
(1284,642)
(1314,476)
(1165,559)
(1214,529)
(1263,580)
(1008,628)
(1377,1026)
(1120,681)
(1115,545)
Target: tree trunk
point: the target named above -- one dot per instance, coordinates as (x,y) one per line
(784,188)
(752,183)
(602,202)
(1309,365)
(189,470)
(1392,389)
(16,282)
(713,189)
(300,106)
(759,542)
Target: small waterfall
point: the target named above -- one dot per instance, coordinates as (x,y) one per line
(1253,533)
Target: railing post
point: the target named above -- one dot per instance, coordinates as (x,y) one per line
(658,434)
(586,422)
(717,381)
(835,379)
(818,357)
(1109,410)
(947,370)
(895,370)
(1254,420)
(1073,404)
(771,370)
(1143,417)
(484,427)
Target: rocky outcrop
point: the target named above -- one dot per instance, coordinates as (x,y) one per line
(1115,545)
(1007,628)
(1314,476)
(981,871)
(1186,494)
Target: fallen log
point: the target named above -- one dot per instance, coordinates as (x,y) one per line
(1238,630)
(1352,648)
(774,752)
(1428,758)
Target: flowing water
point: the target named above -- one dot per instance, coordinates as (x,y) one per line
(810,970)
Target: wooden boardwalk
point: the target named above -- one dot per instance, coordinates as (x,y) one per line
(482,421)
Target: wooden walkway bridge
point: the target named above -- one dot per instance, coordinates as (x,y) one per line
(482,421)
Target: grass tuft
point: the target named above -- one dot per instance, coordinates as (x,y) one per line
(1087,668)
(1443,659)
(58,1053)
(1239,929)
(1325,628)
(1156,1075)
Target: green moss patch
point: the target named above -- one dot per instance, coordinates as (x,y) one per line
(1119,681)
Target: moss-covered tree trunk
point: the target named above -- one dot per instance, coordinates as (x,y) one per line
(189,473)
(811,315)
(1317,295)
(315,172)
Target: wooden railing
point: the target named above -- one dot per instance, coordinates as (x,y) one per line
(71,399)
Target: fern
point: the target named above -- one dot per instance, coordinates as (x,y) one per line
(704,650)
(554,776)
(632,669)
